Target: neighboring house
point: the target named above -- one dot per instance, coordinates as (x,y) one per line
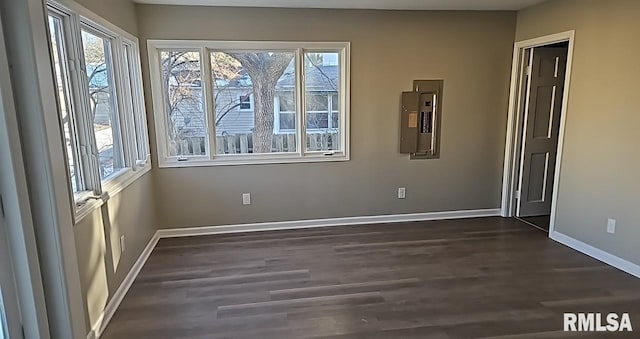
(234,104)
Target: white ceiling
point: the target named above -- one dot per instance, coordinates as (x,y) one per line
(362,4)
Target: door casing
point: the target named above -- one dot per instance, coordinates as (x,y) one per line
(512,149)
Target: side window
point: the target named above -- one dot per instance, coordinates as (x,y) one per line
(65,101)
(98,63)
(100,103)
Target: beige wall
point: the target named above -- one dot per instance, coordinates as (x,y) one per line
(470,50)
(102,265)
(601,160)
(130,213)
(121,13)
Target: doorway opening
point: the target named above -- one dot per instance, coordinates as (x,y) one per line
(537,111)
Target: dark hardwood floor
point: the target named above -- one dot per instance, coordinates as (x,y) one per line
(473,278)
(540,221)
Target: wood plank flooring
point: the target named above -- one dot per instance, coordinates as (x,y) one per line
(540,221)
(473,278)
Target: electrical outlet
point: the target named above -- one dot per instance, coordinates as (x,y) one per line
(246,198)
(402,193)
(122,244)
(611,226)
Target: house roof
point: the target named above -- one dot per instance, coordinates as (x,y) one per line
(318,78)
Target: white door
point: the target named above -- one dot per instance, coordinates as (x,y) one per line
(10,323)
(541,128)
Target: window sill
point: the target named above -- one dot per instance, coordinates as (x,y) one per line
(234,160)
(88,207)
(111,188)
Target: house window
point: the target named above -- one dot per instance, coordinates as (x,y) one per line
(66,107)
(245,102)
(253,96)
(317,111)
(287,113)
(100,102)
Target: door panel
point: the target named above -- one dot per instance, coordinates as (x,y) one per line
(540,132)
(543,117)
(537,178)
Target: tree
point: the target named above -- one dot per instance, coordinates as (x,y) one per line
(265,69)
(181,71)
(97,75)
(100,94)
(226,72)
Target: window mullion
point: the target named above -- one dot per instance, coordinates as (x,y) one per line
(209,108)
(159,107)
(142,130)
(300,103)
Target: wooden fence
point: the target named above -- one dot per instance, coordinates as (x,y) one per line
(243,144)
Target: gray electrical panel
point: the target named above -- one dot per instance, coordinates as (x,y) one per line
(420,120)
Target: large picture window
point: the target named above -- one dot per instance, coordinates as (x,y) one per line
(221,103)
(100,102)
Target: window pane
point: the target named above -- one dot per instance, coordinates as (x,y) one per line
(317,102)
(264,75)
(183,96)
(245,102)
(287,107)
(99,68)
(321,84)
(287,122)
(287,102)
(317,121)
(335,102)
(64,94)
(335,111)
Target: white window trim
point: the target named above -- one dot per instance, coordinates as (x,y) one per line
(206,46)
(129,107)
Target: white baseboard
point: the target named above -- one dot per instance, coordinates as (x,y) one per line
(596,253)
(312,223)
(114,303)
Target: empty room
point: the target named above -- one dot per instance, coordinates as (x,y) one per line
(319,169)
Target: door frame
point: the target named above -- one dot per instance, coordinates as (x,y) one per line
(512,152)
